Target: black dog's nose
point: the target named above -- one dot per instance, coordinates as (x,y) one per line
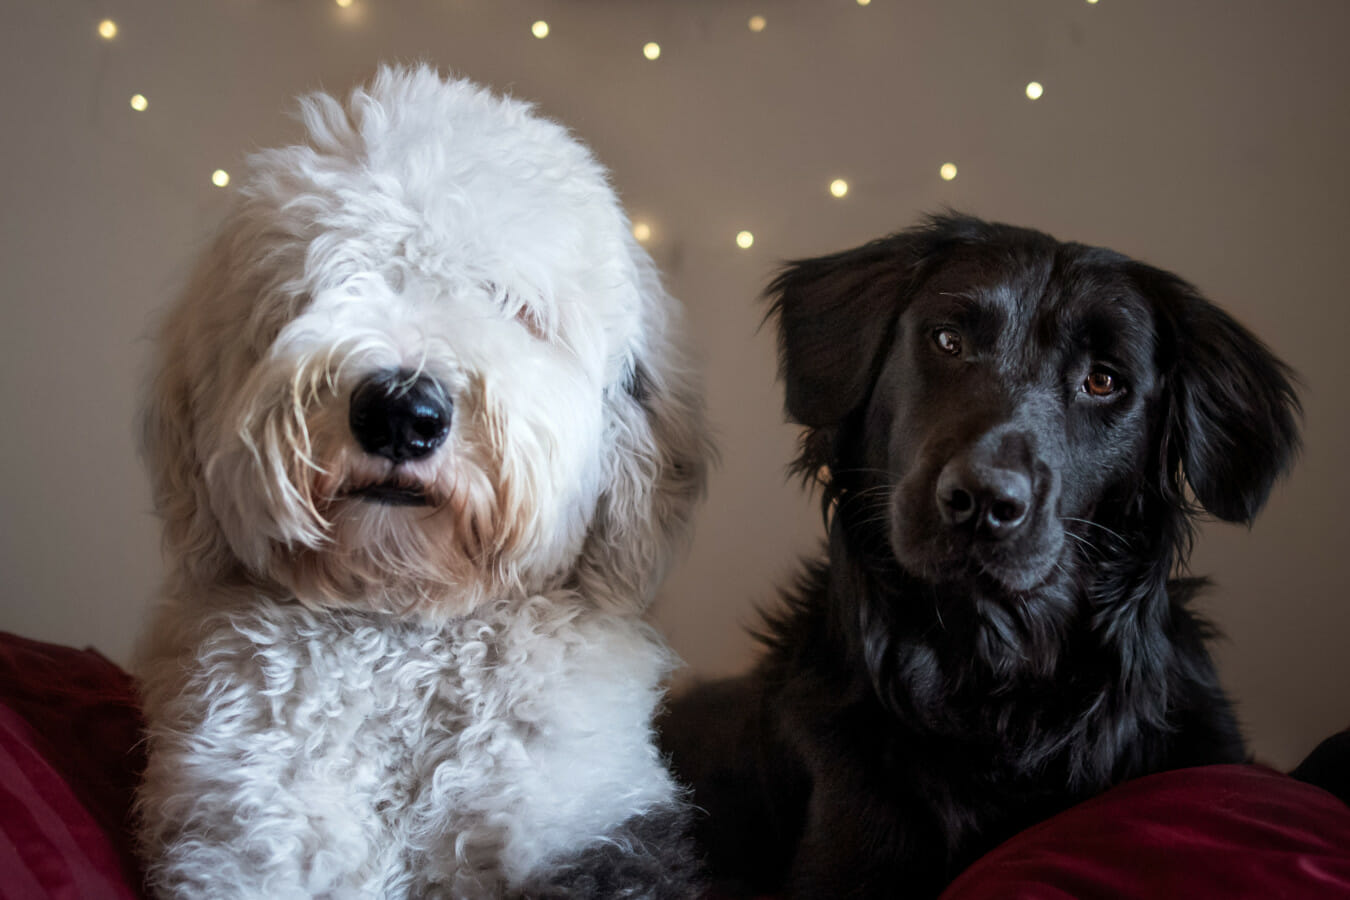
(992,501)
(399,415)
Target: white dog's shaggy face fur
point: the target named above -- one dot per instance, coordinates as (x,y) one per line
(424,441)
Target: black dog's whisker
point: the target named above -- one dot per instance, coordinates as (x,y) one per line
(860,470)
(1091,548)
(848,503)
(1119,537)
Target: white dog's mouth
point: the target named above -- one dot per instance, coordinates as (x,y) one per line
(390,493)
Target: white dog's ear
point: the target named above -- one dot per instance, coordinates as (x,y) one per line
(192,537)
(659,451)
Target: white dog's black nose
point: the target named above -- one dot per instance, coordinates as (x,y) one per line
(992,501)
(400,415)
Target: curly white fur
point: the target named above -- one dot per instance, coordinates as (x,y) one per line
(347,698)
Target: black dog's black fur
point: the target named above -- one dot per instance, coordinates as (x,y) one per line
(1004,427)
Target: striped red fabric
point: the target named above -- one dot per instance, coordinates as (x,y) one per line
(70,755)
(50,846)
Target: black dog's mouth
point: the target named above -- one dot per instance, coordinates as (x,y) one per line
(994,568)
(391,494)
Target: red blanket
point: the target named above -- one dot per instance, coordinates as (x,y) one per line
(70,754)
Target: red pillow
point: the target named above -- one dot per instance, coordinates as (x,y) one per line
(69,760)
(70,756)
(1214,831)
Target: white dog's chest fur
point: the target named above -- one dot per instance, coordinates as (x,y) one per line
(349,755)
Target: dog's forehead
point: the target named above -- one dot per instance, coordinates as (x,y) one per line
(1035,292)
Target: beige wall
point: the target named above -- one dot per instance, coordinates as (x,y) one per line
(1206,136)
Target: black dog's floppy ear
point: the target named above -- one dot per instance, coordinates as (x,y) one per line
(835,314)
(1233,421)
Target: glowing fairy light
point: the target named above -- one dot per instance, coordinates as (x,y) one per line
(651,50)
(839,187)
(757,23)
(745,240)
(220,178)
(107,29)
(539,29)
(948,171)
(343,3)
(139,103)
(1034,90)
(642,231)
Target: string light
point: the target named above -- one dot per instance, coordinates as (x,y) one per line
(1034,90)
(1092,2)
(642,231)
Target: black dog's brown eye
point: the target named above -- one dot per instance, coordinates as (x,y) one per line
(948,341)
(1100,383)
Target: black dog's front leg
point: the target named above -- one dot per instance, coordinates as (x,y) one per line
(860,846)
(649,857)
(749,793)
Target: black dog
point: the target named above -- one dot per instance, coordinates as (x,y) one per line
(1003,426)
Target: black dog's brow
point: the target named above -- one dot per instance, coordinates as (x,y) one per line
(969,301)
(960,306)
(965,296)
(1112,324)
(1088,315)
(987,312)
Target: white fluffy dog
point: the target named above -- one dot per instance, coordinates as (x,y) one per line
(424,440)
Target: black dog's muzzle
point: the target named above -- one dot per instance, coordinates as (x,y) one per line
(988,489)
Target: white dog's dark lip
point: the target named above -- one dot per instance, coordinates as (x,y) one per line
(391,494)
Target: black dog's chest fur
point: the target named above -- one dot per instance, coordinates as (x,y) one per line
(1004,429)
(942,759)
